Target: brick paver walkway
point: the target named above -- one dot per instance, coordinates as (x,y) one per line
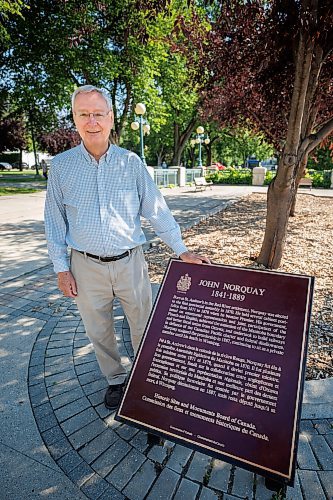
(109,460)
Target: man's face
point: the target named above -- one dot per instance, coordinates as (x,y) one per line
(93,131)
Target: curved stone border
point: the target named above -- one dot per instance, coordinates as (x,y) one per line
(106,459)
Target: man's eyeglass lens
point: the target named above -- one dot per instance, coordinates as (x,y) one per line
(96,116)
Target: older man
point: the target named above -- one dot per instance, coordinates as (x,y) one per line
(96,194)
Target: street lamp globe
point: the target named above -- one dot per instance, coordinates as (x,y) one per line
(198,140)
(207,140)
(193,142)
(140,109)
(200,130)
(135,125)
(146,128)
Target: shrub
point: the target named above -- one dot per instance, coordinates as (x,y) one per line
(269,177)
(321,179)
(231,176)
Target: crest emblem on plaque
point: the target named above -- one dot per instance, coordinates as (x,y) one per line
(184,283)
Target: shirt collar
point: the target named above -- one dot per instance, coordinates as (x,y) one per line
(91,159)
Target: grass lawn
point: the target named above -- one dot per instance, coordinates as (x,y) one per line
(25,171)
(17,176)
(6,191)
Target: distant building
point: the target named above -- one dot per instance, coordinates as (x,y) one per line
(28,158)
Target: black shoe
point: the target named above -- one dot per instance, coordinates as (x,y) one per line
(113,396)
(154,440)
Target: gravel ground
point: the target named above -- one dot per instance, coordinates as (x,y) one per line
(234,237)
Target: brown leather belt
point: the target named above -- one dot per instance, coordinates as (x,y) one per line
(106,259)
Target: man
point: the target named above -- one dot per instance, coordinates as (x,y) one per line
(96,194)
(44,168)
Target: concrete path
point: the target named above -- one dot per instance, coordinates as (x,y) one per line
(57,439)
(22,241)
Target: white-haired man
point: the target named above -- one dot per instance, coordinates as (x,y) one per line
(96,194)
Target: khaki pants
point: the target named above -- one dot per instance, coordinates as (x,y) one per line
(98,283)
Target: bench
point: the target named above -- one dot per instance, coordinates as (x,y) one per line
(305,181)
(201,183)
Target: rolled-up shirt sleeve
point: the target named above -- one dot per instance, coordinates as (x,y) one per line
(55,223)
(155,209)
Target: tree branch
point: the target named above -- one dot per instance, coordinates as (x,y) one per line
(73,77)
(188,131)
(262,126)
(126,107)
(315,139)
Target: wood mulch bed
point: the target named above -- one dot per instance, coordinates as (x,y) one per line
(234,237)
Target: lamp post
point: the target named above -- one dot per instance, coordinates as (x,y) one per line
(199,139)
(144,127)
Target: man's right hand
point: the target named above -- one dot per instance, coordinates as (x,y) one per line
(67,284)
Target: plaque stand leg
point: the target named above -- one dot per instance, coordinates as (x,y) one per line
(274,485)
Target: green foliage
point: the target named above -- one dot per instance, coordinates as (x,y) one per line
(231,176)
(269,177)
(236,145)
(13,7)
(120,45)
(322,159)
(321,179)
(10,157)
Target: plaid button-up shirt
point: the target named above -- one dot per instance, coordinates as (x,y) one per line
(96,206)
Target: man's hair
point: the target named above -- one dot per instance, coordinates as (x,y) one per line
(85,89)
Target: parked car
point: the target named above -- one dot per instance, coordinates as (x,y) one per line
(219,166)
(5,166)
(17,164)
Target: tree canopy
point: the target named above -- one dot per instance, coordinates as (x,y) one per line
(270,63)
(13,134)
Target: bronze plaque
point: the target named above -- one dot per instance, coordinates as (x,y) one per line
(221,365)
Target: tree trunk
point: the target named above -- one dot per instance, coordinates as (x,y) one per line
(282,190)
(191,157)
(180,140)
(279,200)
(20,161)
(300,174)
(176,157)
(122,120)
(32,129)
(159,156)
(208,149)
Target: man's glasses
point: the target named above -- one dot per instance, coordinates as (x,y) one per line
(97,116)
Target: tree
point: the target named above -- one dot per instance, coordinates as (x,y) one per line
(235,145)
(13,134)
(271,63)
(14,7)
(123,46)
(59,140)
(167,87)
(62,44)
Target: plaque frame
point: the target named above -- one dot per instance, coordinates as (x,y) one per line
(286,478)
